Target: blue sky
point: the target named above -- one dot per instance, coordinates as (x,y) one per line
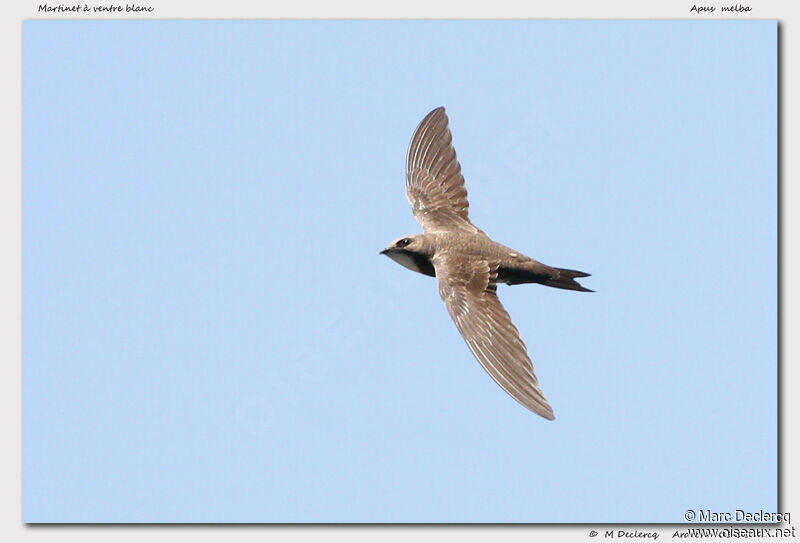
(209,333)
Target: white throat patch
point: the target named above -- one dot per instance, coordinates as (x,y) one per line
(404,260)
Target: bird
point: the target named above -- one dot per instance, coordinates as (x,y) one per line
(468,264)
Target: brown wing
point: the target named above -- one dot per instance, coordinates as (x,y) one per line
(469,291)
(434,184)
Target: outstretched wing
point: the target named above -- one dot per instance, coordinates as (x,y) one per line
(469,291)
(434,184)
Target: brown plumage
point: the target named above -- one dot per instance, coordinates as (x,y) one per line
(468,264)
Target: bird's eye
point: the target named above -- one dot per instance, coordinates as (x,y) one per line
(404,242)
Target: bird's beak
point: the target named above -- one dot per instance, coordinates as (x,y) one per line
(384,251)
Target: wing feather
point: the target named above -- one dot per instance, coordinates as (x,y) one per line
(434,184)
(470,294)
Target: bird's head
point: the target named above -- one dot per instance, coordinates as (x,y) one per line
(406,244)
(411,252)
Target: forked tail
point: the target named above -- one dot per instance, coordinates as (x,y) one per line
(566,280)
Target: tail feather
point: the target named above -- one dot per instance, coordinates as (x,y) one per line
(566,280)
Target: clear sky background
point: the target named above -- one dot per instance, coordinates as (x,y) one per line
(209,333)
